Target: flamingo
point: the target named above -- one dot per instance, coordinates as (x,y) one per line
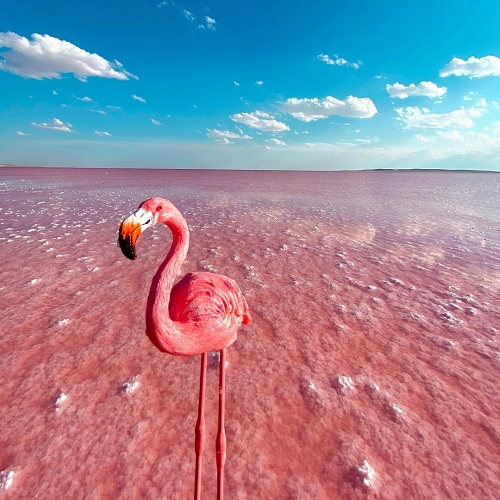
(201,313)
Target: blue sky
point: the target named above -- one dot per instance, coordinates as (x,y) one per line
(251,84)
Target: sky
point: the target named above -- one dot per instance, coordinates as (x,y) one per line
(309,85)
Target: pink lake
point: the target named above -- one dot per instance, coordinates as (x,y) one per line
(371,368)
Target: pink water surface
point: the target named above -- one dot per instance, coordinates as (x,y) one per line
(371,369)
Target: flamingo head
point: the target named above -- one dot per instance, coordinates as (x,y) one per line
(149,213)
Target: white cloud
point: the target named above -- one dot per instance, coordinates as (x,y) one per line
(115,108)
(421,137)
(54,92)
(276,142)
(308,110)
(100,111)
(209,23)
(56,124)
(223,136)
(415,118)
(138,98)
(338,61)
(259,83)
(156,122)
(85,99)
(48,57)
(368,140)
(237,83)
(450,135)
(261,121)
(474,67)
(204,23)
(427,89)
(102,134)
(22,133)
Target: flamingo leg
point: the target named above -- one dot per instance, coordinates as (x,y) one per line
(221,433)
(200,427)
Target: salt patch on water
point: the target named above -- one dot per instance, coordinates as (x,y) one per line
(395,412)
(62,322)
(343,384)
(130,385)
(364,475)
(6,479)
(59,402)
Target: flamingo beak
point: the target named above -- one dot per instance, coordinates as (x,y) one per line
(130,229)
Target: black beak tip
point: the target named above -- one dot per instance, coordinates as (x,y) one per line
(127,247)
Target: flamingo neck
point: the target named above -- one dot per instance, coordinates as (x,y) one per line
(161,329)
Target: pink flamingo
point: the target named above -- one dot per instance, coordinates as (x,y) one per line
(201,313)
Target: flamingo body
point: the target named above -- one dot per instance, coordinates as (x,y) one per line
(203,311)
(208,308)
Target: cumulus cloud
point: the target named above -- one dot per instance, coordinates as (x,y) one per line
(427,89)
(338,61)
(48,57)
(422,118)
(474,67)
(261,121)
(259,83)
(102,133)
(22,133)
(138,98)
(308,110)
(156,122)
(55,124)
(85,99)
(223,136)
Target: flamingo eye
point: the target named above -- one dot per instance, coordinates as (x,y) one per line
(158,208)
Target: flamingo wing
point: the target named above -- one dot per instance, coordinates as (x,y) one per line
(208,299)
